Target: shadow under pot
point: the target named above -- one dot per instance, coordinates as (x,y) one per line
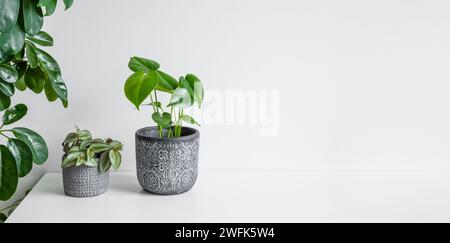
(167,166)
(84,181)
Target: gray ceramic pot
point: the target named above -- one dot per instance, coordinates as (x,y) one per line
(167,166)
(84,181)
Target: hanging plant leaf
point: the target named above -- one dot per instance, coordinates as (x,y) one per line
(35,142)
(49,5)
(33,17)
(49,92)
(21,68)
(23,156)
(3,218)
(14,114)
(31,55)
(5,102)
(42,38)
(139,64)
(20,84)
(12,41)
(51,67)
(9,13)
(8,73)
(35,80)
(7,88)
(8,174)
(139,86)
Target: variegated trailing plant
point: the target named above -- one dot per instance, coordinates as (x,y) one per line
(24,65)
(80,149)
(145,83)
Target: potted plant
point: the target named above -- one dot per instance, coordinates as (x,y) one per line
(166,154)
(86,163)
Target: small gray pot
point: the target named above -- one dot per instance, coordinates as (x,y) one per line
(167,166)
(84,181)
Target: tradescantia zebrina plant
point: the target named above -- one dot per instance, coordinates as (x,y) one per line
(24,65)
(81,149)
(145,83)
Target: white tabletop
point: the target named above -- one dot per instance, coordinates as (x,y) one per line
(253,197)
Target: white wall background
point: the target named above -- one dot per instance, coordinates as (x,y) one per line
(364,85)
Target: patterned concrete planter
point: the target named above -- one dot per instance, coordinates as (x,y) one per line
(84,181)
(167,166)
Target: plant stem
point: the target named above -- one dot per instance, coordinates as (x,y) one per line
(153,103)
(155,109)
(14,205)
(1,133)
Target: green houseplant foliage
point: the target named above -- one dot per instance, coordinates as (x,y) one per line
(25,65)
(81,149)
(145,83)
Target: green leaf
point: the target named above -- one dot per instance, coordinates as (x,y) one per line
(9,177)
(99,147)
(12,41)
(139,86)
(190,120)
(8,73)
(189,86)
(9,13)
(139,64)
(19,55)
(71,138)
(91,162)
(23,156)
(155,104)
(5,102)
(49,92)
(71,159)
(32,16)
(115,158)
(35,142)
(68,4)
(197,89)
(20,84)
(3,218)
(180,98)
(42,38)
(164,120)
(84,135)
(35,80)
(116,145)
(166,82)
(49,5)
(21,68)
(31,55)
(13,114)
(51,67)
(104,162)
(7,88)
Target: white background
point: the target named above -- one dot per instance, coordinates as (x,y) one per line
(363,84)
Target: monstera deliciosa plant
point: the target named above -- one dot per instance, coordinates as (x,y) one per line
(24,65)
(145,83)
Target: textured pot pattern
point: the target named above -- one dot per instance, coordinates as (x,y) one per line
(83,181)
(167,166)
